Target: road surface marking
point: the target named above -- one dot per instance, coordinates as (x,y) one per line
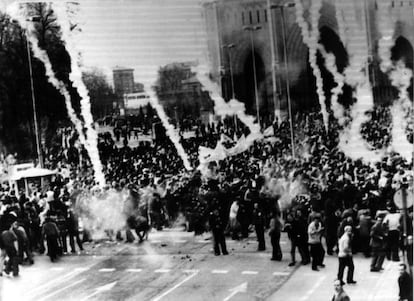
(202,241)
(280,273)
(155,241)
(313,288)
(219,271)
(242,288)
(191,271)
(179,241)
(106,270)
(100,289)
(62,289)
(37,290)
(175,286)
(162,271)
(82,269)
(57,269)
(134,270)
(250,272)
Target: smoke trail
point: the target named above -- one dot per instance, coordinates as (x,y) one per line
(221,107)
(351,140)
(386,42)
(76,78)
(169,128)
(401,79)
(40,54)
(330,64)
(311,38)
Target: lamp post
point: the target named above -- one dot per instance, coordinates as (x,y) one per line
(251,29)
(282,7)
(229,48)
(29,58)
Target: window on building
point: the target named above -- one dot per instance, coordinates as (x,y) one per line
(243,17)
(265,15)
(250,17)
(258,16)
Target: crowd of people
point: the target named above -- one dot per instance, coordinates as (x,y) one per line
(319,192)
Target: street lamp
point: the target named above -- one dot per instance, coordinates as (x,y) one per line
(251,29)
(29,58)
(229,49)
(282,7)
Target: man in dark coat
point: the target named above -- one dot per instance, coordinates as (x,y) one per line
(9,242)
(340,294)
(275,230)
(217,226)
(72,226)
(405,283)
(377,244)
(259,225)
(50,232)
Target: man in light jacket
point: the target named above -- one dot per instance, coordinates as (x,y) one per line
(317,251)
(345,256)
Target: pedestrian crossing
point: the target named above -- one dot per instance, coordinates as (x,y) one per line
(78,270)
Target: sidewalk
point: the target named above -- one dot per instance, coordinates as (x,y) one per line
(305,284)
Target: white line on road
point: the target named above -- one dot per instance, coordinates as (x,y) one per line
(106,270)
(191,271)
(250,272)
(179,241)
(134,270)
(203,241)
(280,273)
(175,286)
(162,271)
(219,271)
(62,289)
(82,269)
(313,288)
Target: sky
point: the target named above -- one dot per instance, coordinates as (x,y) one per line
(139,34)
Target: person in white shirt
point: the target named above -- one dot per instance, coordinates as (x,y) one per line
(317,251)
(345,256)
(233,223)
(393,222)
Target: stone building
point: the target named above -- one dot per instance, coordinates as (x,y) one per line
(230,44)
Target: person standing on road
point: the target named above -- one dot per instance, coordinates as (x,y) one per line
(393,221)
(405,283)
(72,225)
(377,243)
(275,230)
(345,256)
(233,223)
(50,232)
(217,227)
(259,225)
(339,294)
(9,241)
(317,251)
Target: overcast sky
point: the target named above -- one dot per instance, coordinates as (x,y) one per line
(143,34)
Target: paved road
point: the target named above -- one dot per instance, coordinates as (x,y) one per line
(171,266)
(179,266)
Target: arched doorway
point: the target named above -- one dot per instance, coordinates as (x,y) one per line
(304,91)
(245,85)
(401,51)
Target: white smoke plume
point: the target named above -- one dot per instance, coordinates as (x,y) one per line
(386,29)
(16,13)
(169,128)
(400,78)
(351,140)
(340,19)
(311,38)
(330,64)
(221,107)
(61,11)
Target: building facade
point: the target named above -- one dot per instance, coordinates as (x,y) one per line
(240,35)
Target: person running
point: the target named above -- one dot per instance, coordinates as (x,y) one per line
(345,256)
